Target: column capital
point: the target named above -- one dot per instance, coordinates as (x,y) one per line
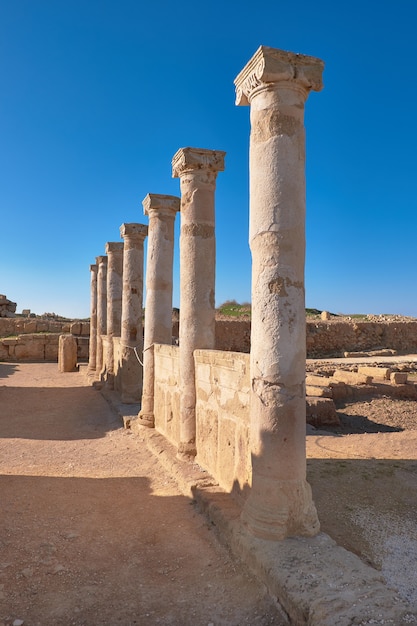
(188,159)
(165,205)
(137,231)
(101,259)
(270,66)
(93,268)
(114,246)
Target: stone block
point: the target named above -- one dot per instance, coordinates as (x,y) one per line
(318,381)
(325,316)
(375,372)
(399,378)
(85,329)
(75,328)
(319,392)
(352,378)
(30,327)
(321,412)
(67,353)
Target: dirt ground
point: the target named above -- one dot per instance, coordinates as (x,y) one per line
(364,481)
(92,530)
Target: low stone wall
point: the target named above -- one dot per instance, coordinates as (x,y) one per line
(331,338)
(37,340)
(334,338)
(39,347)
(22,326)
(167,393)
(222,417)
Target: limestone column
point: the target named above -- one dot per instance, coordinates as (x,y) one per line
(93,320)
(276,85)
(161,211)
(114,251)
(131,341)
(197,170)
(101,309)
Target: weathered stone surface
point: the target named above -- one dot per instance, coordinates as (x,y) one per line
(222,417)
(375,372)
(114,251)
(67,354)
(197,170)
(101,310)
(161,210)
(352,378)
(92,356)
(130,370)
(75,328)
(321,412)
(276,84)
(167,397)
(319,392)
(398,378)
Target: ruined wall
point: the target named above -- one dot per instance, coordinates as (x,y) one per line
(330,338)
(167,394)
(222,417)
(37,340)
(334,338)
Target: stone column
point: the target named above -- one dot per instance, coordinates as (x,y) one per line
(114,251)
(276,85)
(131,341)
(161,211)
(93,320)
(197,170)
(101,309)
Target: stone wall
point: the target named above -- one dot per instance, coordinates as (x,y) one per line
(334,338)
(167,393)
(37,340)
(222,417)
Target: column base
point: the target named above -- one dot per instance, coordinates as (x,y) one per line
(146,419)
(186,452)
(277,509)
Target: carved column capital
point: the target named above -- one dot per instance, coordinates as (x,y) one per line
(157,204)
(114,246)
(133,231)
(101,260)
(191,159)
(93,268)
(270,66)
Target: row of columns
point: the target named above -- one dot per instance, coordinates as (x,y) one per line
(276,85)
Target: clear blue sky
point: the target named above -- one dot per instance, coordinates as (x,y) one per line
(98,95)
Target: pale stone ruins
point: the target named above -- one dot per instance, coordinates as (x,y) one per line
(241,417)
(197,170)
(276,85)
(161,211)
(114,251)
(130,370)
(92,357)
(101,262)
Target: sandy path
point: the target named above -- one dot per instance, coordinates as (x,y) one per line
(92,530)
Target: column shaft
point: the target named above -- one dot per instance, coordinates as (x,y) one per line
(101,309)
(161,210)
(114,251)
(93,320)
(276,84)
(197,170)
(131,342)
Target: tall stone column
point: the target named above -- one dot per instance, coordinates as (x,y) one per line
(92,353)
(101,309)
(276,85)
(197,170)
(114,251)
(131,341)
(161,211)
